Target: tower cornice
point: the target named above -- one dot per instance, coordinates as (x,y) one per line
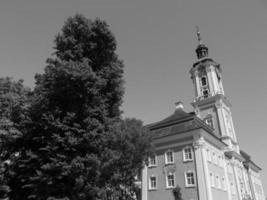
(217,99)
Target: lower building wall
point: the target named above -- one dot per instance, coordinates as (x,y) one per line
(179,167)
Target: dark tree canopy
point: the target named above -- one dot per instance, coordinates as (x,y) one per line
(14,100)
(74,144)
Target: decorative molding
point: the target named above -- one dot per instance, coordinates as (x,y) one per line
(199,143)
(218,105)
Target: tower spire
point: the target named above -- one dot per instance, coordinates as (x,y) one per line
(201,50)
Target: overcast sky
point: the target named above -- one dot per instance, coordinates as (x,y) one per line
(156,40)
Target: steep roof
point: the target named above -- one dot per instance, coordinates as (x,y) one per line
(177,116)
(179,121)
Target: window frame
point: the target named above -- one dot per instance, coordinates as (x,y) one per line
(150,182)
(206,81)
(208,153)
(223,183)
(149,161)
(218,181)
(205,95)
(186,154)
(214,158)
(166,157)
(167,180)
(187,184)
(212,181)
(209,122)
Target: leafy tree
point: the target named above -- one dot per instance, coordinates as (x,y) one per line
(75,146)
(14,99)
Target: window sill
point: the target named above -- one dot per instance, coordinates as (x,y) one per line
(190,186)
(169,188)
(169,163)
(185,161)
(154,189)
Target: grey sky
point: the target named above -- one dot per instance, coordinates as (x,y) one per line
(156,40)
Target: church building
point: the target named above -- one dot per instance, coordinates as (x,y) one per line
(198,152)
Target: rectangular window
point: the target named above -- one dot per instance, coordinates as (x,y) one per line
(208,155)
(219,160)
(170,180)
(222,161)
(152,161)
(187,154)
(214,157)
(232,188)
(190,179)
(212,179)
(169,157)
(223,183)
(218,183)
(152,183)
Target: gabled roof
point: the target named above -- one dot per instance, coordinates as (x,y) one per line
(182,122)
(179,121)
(178,116)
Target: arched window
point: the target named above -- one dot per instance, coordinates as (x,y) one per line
(206,93)
(209,122)
(203,81)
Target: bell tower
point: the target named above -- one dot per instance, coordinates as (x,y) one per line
(210,102)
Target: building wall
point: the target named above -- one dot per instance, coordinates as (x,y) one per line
(211,111)
(179,167)
(216,166)
(257,185)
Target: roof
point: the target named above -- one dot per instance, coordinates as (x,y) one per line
(248,162)
(177,116)
(179,121)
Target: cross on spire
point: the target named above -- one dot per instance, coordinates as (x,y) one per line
(198,36)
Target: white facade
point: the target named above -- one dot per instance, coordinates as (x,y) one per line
(199,151)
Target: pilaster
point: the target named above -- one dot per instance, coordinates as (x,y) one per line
(144,183)
(235,165)
(227,181)
(197,86)
(204,186)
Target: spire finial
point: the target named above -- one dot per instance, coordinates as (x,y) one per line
(198,35)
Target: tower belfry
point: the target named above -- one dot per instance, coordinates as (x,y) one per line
(210,103)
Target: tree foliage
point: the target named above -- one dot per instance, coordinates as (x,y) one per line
(74,144)
(14,99)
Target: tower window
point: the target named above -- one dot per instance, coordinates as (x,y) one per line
(204,81)
(206,93)
(209,122)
